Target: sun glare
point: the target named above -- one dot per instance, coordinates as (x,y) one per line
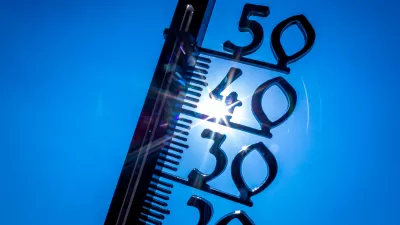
(214,109)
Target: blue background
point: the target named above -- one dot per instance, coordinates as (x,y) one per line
(74,75)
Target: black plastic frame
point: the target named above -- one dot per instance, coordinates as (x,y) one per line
(149,136)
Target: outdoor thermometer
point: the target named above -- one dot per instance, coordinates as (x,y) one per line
(204,114)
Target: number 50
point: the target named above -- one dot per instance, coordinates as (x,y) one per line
(256,30)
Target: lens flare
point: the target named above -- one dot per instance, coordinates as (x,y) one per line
(214,109)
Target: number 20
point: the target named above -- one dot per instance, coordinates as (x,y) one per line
(206,212)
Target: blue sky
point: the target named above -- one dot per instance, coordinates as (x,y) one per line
(74,75)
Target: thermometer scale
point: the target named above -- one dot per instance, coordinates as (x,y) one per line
(191,111)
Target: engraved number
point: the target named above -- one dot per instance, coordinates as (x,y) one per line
(251,26)
(199,179)
(308,33)
(236,170)
(206,212)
